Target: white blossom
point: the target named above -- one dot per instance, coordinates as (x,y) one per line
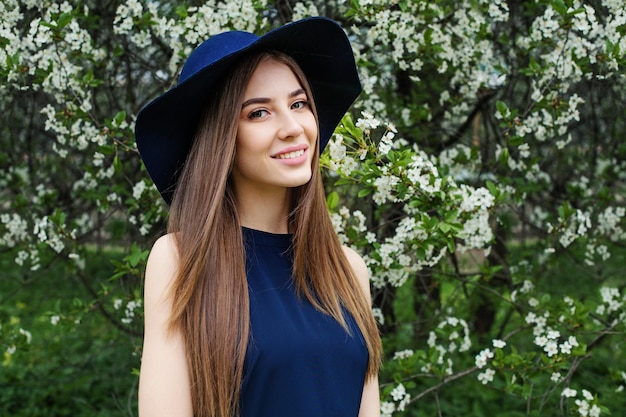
(486,376)
(499,343)
(482,358)
(569,393)
(26,334)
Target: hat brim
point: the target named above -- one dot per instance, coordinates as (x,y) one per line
(165,128)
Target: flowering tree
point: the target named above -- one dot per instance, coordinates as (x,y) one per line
(481,176)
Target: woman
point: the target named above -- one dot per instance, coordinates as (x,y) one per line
(252,307)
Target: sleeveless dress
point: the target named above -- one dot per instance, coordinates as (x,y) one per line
(300,362)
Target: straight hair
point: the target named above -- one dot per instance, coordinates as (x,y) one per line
(210,304)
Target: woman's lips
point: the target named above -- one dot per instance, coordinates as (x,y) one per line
(293,155)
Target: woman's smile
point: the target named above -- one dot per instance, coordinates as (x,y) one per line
(294,155)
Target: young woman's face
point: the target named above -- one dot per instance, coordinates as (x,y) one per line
(276,137)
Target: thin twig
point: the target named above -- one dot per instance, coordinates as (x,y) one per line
(445,381)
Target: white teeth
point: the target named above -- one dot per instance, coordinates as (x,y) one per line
(290,155)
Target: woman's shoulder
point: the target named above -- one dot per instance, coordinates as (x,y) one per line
(162,263)
(356,261)
(165,246)
(359,268)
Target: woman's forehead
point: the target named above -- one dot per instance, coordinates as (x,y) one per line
(270,78)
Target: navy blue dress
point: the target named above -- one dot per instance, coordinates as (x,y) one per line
(300,362)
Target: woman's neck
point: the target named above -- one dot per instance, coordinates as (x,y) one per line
(263,210)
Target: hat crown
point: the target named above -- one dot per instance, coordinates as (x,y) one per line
(214,49)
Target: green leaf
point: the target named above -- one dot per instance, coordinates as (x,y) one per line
(119,117)
(502,108)
(64,20)
(136,255)
(565,210)
(332,200)
(117,275)
(504,156)
(451,216)
(534,65)
(58,217)
(580,350)
(107,149)
(516,140)
(560,7)
(181,10)
(117,164)
(493,188)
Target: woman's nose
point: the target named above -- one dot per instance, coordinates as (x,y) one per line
(290,126)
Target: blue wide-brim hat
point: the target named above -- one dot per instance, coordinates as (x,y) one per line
(165,128)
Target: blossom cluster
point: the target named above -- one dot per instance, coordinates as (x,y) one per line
(477,232)
(399,36)
(13,337)
(548,331)
(400,396)
(181,35)
(483,358)
(129,310)
(587,406)
(401,175)
(612,303)
(451,336)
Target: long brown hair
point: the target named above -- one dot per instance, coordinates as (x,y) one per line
(210,304)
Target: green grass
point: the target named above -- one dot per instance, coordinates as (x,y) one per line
(68,369)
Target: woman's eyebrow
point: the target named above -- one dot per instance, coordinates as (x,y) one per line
(257,100)
(297,92)
(264,100)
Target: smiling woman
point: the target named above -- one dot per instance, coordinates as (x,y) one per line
(252,306)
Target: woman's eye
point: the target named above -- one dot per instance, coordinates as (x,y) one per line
(299,104)
(257,114)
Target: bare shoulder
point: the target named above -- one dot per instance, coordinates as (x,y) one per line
(360,269)
(165,246)
(161,266)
